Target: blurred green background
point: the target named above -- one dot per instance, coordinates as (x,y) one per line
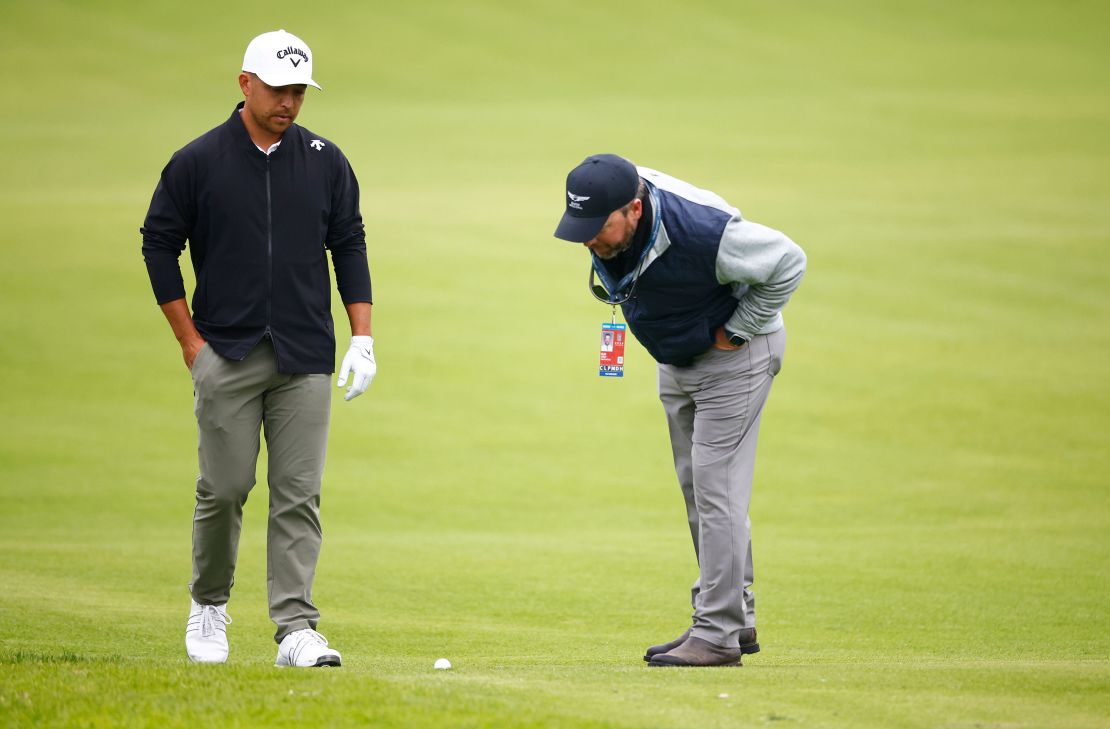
(931,507)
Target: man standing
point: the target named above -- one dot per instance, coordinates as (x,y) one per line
(259,199)
(703,290)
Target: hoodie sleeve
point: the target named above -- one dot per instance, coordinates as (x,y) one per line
(768,263)
(169,222)
(347,237)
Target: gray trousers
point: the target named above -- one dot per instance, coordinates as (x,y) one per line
(234,401)
(713,410)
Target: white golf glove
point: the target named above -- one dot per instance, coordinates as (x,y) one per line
(360,361)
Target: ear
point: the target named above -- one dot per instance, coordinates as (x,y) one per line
(637,208)
(245,83)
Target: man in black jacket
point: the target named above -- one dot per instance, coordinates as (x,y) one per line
(259,199)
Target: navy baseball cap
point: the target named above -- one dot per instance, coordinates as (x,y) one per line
(601,184)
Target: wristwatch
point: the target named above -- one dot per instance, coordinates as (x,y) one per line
(735,339)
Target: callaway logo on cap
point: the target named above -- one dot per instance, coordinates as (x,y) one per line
(280,59)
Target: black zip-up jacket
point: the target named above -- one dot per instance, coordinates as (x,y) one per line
(257,228)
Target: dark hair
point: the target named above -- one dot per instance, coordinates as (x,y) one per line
(641,195)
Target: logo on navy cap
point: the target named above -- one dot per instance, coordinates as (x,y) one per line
(577,200)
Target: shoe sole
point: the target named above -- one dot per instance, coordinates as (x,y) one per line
(660,664)
(321,662)
(744,650)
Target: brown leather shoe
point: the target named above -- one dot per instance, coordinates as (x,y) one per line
(748,644)
(664,647)
(698,652)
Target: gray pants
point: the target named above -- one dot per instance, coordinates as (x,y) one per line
(713,409)
(233,402)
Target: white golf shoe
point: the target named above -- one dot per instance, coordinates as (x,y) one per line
(306,649)
(206,633)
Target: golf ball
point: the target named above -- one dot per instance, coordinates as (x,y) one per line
(442,664)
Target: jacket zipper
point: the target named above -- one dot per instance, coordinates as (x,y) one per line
(269,251)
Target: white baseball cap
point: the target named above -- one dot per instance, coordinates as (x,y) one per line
(280,59)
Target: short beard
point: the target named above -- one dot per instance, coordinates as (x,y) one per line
(621,248)
(264,123)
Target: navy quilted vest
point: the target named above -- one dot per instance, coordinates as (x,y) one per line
(678,304)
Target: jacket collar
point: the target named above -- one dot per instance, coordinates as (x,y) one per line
(657,243)
(239,131)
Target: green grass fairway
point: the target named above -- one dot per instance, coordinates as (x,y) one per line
(932,499)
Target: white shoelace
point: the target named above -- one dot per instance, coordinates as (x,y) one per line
(208,617)
(301,638)
(310,634)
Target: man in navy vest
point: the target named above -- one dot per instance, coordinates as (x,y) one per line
(703,290)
